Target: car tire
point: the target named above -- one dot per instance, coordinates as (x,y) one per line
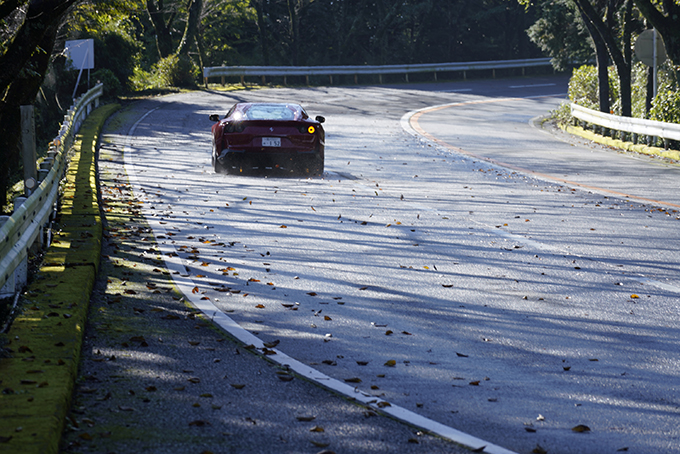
(219,168)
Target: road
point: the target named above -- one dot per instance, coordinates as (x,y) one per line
(499,281)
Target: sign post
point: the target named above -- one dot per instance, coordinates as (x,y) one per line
(81,55)
(650,50)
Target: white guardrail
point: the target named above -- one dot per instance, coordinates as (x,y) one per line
(626,124)
(243,71)
(24,226)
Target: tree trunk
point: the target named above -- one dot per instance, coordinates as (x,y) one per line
(259,8)
(161,27)
(602,58)
(191,30)
(622,66)
(23,72)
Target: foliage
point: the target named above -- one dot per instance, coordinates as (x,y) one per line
(112,86)
(114,29)
(666,103)
(666,106)
(639,91)
(583,88)
(172,71)
(559,31)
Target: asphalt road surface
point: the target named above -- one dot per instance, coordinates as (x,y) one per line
(457,267)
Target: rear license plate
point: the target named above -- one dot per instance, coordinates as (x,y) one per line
(271,141)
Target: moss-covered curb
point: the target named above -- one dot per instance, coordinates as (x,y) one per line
(44,341)
(616,143)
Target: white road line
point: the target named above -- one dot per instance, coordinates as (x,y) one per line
(532,86)
(185,284)
(453,90)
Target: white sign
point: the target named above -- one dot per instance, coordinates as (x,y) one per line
(81,54)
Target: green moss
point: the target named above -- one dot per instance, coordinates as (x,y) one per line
(46,338)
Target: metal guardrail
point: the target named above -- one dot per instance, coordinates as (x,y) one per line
(24,226)
(243,71)
(626,124)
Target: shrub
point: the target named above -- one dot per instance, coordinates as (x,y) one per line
(666,106)
(172,71)
(111,83)
(584,91)
(583,87)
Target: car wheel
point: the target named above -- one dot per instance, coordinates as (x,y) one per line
(315,166)
(219,168)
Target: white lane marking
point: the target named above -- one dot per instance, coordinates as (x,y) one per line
(532,86)
(453,90)
(186,285)
(662,285)
(406,126)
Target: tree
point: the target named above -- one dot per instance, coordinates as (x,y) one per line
(28,40)
(605,29)
(666,19)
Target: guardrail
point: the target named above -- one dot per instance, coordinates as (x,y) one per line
(263,71)
(635,126)
(21,230)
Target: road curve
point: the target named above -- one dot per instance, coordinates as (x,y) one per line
(482,298)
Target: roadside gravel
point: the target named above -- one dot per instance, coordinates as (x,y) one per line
(157,377)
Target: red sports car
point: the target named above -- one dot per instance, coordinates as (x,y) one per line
(268,135)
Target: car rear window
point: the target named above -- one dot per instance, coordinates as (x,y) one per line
(272,112)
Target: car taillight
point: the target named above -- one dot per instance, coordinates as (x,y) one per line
(235,127)
(307,129)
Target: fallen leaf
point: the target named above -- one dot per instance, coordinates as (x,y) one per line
(391,363)
(581,428)
(306,418)
(317,429)
(539,450)
(199,423)
(238,386)
(353,380)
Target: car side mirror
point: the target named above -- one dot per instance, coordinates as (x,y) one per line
(214,117)
(320,119)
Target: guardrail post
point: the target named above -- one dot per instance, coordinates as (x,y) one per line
(435,76)
(264,81)
(18,201)
(331,78)
(406,77)
(28,143)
